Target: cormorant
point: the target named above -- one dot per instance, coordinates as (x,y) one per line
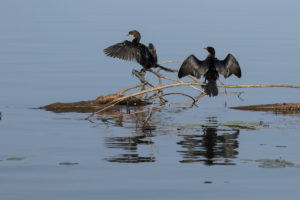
(134,50)
(210,68)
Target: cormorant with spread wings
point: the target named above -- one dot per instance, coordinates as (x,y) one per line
(210,68)
(134,50)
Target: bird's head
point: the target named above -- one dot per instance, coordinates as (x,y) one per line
(210,50)
(135,34)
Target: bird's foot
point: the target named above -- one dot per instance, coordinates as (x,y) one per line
(140,75)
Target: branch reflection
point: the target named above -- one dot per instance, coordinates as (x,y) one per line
(130,146)
(214,147)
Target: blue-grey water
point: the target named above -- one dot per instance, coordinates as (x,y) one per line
(52,51)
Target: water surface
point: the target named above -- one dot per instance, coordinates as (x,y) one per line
(53,51)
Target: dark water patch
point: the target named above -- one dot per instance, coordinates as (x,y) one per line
(126,143)
(130,145)
(130,158)
(213,147)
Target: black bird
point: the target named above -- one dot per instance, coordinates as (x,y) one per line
(210,68)
(134,50)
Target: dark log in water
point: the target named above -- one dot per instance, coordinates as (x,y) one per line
(93,105)
(284,108)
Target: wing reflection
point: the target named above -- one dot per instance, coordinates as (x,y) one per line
(215,147)
(130,145)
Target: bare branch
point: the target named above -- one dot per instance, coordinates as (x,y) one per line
(178,93)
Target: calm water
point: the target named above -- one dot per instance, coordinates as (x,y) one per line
(53,51)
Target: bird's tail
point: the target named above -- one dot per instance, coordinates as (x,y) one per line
(211,88)
(165,68)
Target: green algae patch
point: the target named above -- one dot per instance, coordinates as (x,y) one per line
(273,163)
(210,125)
(243,124)
(232,124)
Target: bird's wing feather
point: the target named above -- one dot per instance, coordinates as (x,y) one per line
(152,50)
(125,50)
(192,66)
(228,66)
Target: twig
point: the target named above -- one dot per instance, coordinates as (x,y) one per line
(150,112)
(144,82)
(193,78)
(200,97)
(178,93)
(137,112)
(154,108)
(171,61)
(177,81)
(129,88)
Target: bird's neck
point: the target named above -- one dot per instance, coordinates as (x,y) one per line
(211,56)
(136,40)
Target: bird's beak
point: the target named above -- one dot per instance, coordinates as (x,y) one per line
(127,35)
(205,48)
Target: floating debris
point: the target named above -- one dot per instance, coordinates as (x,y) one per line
(283,108)
(68,163)
(281,146)
(15,158)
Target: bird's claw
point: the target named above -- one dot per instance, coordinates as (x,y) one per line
(140,75)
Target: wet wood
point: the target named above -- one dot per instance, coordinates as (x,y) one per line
(93,105)
(286,108)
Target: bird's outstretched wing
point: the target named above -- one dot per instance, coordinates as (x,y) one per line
(192,66)
(126,50)
(228,66)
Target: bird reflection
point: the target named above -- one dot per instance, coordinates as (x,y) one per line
(130,146)
(214,147)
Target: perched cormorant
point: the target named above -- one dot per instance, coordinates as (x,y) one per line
(210,68)
(134,50)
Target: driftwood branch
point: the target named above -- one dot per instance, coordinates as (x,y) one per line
(114,102)
(108,103)
(259,86)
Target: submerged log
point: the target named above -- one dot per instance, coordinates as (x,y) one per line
(81,107)
(284,108)
(94,105)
